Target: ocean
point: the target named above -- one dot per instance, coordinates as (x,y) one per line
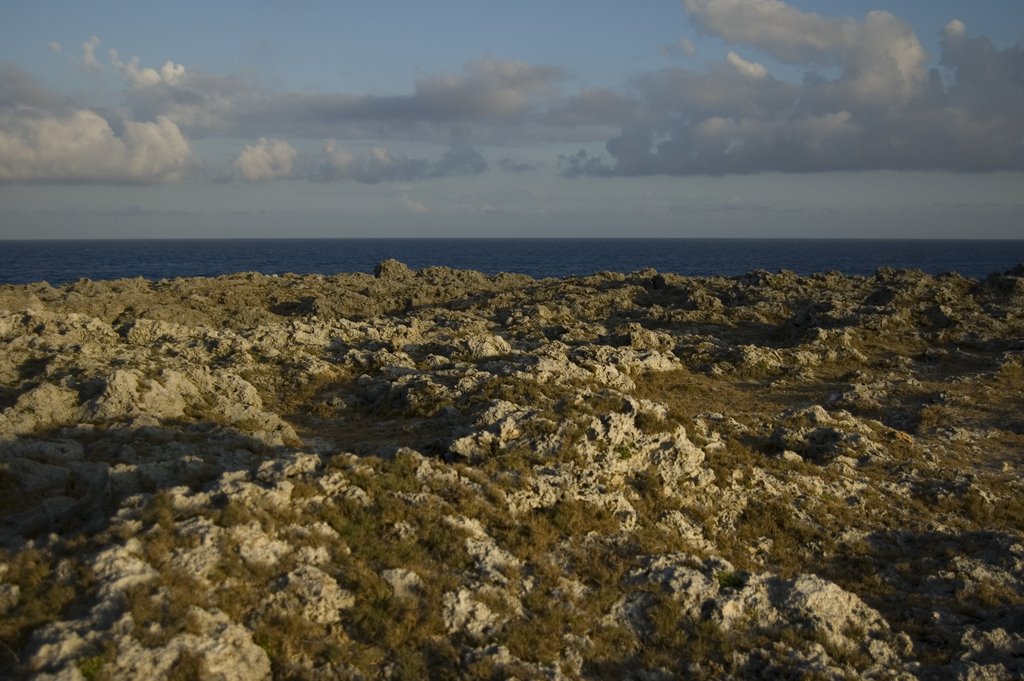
(60,262)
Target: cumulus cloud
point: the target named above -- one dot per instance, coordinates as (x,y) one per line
(54,46)
(488,94)
(45,137)
(459,159)
(82,147)
(747,68)
(867,101)
(988,84)
(955,29)
(772,25)
(139,77)
(89,61)
(880,56)
(379,165)
(487,88)
(382,165)
(268,159)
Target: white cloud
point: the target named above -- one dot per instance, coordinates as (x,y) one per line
(54,46)
(489,94)
(268,159)
(378,165)
(382,165)
(747,68)
(337,158)
(89,61)
(986,89)
(955,29)
(866,101)
(47,138)
(882,60)
(488,87)
(140,77)
(811,131)
(772,25)
(81,146)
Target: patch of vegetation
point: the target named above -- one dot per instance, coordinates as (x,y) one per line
(160,608)
(94,668)
(45,590)
(188,666)
(691,647)
(795,543)
(728,579)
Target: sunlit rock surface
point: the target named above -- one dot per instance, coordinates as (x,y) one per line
(442,474)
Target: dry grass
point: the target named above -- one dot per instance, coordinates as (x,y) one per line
(44,595)
(406,523)
(160,607)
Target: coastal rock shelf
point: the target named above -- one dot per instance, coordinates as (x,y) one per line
(441,474)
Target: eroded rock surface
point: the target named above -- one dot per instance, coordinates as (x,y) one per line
(441,474)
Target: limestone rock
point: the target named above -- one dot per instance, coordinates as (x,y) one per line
(463,613)
(392,269)
(44,407)
(405,584)
(623,466)
(313,594)
(221,649)
(256,547)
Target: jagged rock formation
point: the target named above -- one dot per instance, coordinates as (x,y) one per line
(440,474)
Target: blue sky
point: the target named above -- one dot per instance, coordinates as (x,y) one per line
(374,118)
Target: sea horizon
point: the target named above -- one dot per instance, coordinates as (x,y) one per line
(517,238)
(61,261)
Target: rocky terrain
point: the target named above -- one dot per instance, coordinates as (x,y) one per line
(441,474)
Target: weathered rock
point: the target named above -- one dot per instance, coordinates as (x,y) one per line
(312,594)
(541,479)
(466,615)
(392,269)
(405,584)
(45,407)
(220,649)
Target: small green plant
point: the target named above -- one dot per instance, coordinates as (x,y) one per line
(91,668)
(728,579)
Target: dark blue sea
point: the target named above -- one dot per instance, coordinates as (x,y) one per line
(60,262)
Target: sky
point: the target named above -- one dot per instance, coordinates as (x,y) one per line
(604,118)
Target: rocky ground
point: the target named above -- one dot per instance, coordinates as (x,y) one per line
(439,474)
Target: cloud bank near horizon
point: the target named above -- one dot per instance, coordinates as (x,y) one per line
(868,100)
(883,110)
